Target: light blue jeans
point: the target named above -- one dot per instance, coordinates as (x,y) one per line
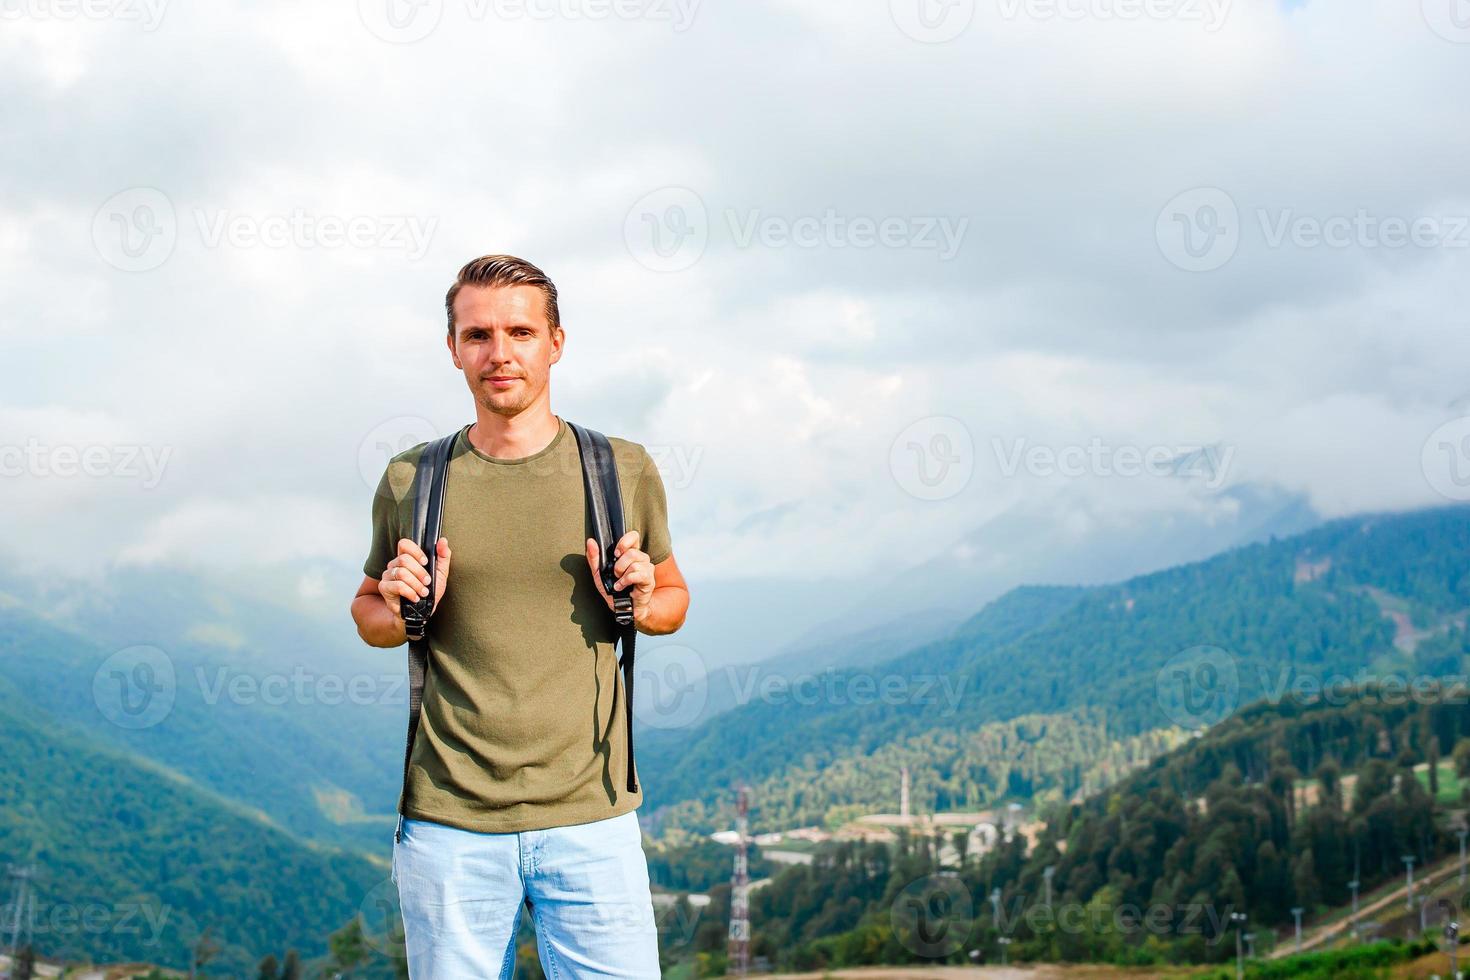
(586,886)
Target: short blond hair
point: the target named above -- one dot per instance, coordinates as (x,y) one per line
(503,270)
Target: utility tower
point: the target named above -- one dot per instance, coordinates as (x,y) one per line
(738,950)
(903,794)
(22,911)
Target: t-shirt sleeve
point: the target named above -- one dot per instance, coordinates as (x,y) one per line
(652,510)
(385,527)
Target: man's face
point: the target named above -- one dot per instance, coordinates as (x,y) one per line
(504,345)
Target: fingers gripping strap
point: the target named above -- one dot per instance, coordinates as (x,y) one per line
(605,510)
(605,506)
(429,481)
(428,511)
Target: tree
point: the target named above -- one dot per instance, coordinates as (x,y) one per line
(962,845)
(24,967)
(1329,777)
(348,946)
(1431,754)
(205,949)
(1461,755)
(291,969)
(1304,880)
(268,968)
(1374,780)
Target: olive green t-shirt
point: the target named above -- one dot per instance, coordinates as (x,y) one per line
(522,725)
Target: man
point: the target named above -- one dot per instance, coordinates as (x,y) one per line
(517,793)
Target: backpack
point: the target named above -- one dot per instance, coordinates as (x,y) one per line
(604,513)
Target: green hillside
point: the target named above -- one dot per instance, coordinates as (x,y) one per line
(132,863)
(1149,871)
(282,730)
(1382,593)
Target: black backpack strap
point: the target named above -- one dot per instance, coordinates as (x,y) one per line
(605,513)
(427,495)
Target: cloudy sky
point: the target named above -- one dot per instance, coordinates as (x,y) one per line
(863,276)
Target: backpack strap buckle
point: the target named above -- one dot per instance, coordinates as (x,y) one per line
(623,609)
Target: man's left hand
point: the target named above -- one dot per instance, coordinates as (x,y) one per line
(633,569)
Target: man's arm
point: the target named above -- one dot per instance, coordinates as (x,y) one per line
(669,603)
(378,625)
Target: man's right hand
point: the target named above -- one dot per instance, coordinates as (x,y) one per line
(405,577)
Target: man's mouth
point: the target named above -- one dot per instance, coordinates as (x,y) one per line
(502,380)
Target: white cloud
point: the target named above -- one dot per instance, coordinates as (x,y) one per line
(783,373)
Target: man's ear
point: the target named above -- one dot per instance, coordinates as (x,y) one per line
(453,354)
(558,341)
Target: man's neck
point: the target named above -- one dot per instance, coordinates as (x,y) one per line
(515,436)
